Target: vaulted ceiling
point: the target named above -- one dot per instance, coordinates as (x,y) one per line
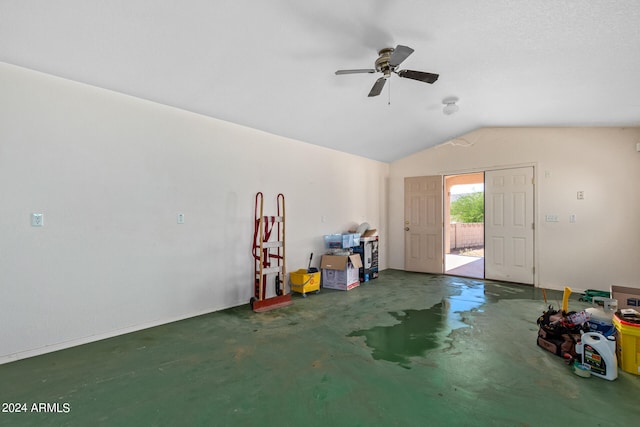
(270,64)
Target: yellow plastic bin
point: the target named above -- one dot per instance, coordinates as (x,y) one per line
(303,282)
(628,345)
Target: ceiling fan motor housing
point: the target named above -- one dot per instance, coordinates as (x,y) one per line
(382,63)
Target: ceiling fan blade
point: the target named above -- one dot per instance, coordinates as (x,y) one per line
(400,53)
(363,70)
(418,75)
(377,87)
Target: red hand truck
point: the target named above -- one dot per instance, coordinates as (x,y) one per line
(269,255)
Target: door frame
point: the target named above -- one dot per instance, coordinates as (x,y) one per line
(446,205)
(536,187)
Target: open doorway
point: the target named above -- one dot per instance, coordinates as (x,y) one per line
(464,225)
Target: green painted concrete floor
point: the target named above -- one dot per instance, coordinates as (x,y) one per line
(406,349)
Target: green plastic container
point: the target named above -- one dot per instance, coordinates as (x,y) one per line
(590,293)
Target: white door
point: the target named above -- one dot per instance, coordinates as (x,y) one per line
(423,224)
(509,225)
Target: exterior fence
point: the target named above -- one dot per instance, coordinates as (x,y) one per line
(466,235)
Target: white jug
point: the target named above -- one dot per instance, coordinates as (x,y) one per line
(599,352)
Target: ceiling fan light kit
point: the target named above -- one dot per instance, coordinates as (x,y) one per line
(388,61)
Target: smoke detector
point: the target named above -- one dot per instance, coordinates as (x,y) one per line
(450,106)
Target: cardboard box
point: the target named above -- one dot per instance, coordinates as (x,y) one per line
(626,297)
(340,272)
(369,233)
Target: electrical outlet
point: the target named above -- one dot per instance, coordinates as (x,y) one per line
(572,218)
(551,218)
(580,195)
(37,220)
(180,218)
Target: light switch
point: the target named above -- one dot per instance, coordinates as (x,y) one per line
(180,218)
(37,220)
(580,195)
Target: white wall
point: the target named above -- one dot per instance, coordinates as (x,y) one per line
(602,247)
(110,174)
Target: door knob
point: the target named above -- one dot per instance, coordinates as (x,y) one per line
(406,229)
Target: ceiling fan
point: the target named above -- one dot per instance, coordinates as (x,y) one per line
(387,63)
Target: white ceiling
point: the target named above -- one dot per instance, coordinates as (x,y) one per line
(270,64)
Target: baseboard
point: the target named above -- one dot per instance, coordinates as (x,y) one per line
(13,357)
